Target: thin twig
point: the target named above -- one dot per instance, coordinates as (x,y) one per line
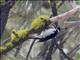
(61,50)
(74,50)
(30,48)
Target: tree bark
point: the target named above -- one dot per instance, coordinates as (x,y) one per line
(4,10)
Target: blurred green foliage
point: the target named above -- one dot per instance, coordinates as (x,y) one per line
(2,2)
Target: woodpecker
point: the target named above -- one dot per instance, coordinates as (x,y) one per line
(49,33)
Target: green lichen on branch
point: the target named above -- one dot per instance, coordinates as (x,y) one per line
(17,36)
(39,22)
(8,44)
(2,48)
(14,39)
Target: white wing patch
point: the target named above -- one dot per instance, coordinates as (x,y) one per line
(47,32)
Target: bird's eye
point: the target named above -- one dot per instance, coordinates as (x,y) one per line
(59,28)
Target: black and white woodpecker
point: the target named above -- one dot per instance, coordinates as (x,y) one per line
(49,33)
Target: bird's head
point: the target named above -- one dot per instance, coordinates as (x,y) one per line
(59,29)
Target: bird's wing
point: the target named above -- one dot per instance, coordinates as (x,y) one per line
(47,32)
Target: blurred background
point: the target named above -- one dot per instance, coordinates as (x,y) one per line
(22,14)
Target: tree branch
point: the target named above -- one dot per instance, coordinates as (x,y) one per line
(70,24)
(74,50)
(30,48)
(61,50)
(66,15)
